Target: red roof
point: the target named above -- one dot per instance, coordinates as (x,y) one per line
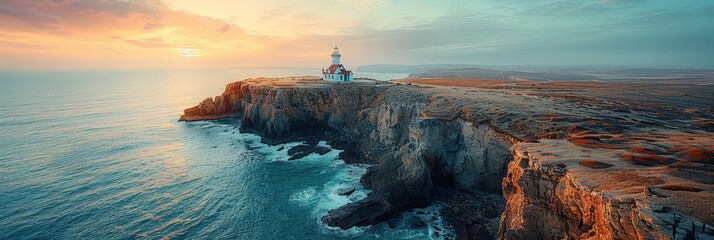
(334,67)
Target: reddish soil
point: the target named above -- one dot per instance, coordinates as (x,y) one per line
(594,142)
(650,151)
(629,180)
(680,187)
(656,123)
(697,155)
(646,159)
(594,164)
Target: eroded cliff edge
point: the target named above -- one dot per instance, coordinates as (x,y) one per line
(555,190)
(423,139)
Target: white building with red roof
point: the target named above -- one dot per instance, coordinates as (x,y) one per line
(337,72)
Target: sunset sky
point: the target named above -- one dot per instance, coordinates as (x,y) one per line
(240,33)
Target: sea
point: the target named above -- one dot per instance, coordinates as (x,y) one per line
(99,154)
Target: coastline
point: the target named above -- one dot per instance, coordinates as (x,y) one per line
(430,137)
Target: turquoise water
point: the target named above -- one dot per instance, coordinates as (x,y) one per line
(100,155)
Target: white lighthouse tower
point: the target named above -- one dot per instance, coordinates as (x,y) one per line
(336,55)
(337,72)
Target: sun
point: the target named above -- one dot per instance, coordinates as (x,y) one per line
(187,52)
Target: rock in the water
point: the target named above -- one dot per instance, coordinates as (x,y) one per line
(415,222)
(361,213)
(392,223)
(321,150)
(346,191)
(305,149)
(299,149)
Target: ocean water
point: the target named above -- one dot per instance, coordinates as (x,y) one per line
(100,155)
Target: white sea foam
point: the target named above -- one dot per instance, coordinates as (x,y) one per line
(306,196)
(438,227)
(326,197)
(347,176)
(273,153)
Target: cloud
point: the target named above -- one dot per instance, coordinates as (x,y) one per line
(622,1)
(10,36)
(144,43)
(21,45)
(85,24)
(536,36)
(364,4)
(225,28)
(187,52)
(115,8)
(465,31)
(31,16)
(150,26)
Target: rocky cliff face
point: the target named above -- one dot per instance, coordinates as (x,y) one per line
(553,195)
(423,139)
(227,105)
(413,150)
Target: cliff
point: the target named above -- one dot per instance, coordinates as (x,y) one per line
(555,191)
(440,143)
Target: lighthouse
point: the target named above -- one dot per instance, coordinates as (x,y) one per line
(336,72)
(336,55)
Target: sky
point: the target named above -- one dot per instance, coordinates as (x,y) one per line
(140,34)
